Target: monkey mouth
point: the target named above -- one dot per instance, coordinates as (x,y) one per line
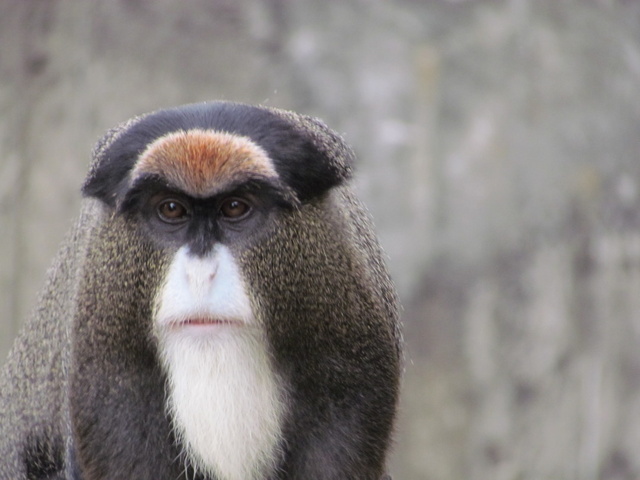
(203,321)
(209,321)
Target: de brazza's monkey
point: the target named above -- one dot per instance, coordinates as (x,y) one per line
(221,310)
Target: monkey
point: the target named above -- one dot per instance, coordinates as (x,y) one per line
(221,310)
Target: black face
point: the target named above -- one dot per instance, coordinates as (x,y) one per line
(171,218)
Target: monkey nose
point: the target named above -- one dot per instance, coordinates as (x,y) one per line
(200,273)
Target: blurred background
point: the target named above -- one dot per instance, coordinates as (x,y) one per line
(498,146)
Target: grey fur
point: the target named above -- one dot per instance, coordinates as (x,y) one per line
(82,394)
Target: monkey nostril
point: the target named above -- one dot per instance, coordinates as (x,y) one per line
(204,274)
(201,274)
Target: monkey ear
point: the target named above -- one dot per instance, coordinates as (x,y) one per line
(106,182)
(113,158)
(310,157)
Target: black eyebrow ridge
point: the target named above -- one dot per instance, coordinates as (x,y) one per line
(147,184)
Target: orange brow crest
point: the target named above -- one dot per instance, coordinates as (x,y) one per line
(202,161)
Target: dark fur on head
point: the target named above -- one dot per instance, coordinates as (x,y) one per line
(308,156)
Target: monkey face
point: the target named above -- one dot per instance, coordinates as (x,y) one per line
(203,196)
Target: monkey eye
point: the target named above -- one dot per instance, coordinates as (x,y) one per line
(234,208)
(172,211)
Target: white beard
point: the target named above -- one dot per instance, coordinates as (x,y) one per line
(225,402)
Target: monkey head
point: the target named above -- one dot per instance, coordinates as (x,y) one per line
(232,316)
